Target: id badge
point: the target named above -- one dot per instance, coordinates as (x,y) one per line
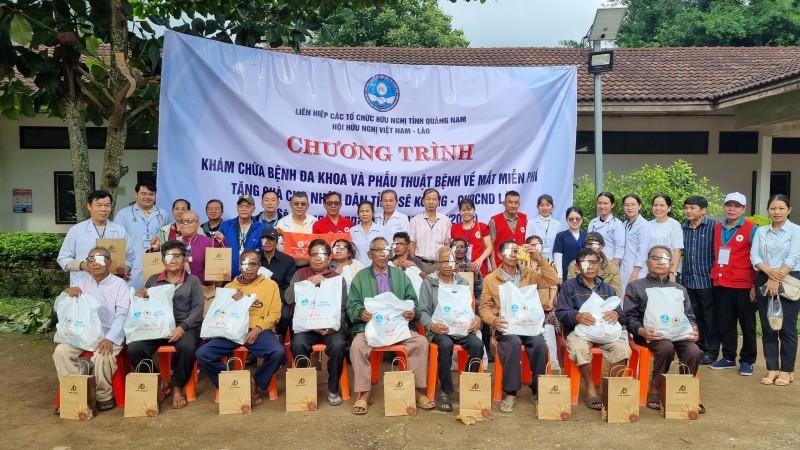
(724,256)
(469,252)
(146,240)
(546,247)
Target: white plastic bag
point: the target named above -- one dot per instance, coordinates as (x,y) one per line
(522,308)
(152,317)
(318,308)
(228,318)
(454,309)
(602,332)
(413,274)
(665,315)
(78,321)
(387,325)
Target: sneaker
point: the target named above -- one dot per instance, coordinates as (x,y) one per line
(745,369)
(707,359)
(724,364)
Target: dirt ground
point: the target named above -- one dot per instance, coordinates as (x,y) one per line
(741,413)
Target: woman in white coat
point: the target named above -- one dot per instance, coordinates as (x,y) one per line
(636,241)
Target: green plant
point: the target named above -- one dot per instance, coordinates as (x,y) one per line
(760,220)
(28,265)
(26,315)
(678,180)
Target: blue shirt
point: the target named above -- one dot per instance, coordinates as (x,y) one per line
(775,248)
(141,230)
(698,247)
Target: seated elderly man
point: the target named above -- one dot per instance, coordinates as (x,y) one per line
(402,259)
(463,264)
(114,294)
(574,293)
(636,299)
(508,345)
(319,254)
(439,333)
(369,282)
(260,339)
(608,271)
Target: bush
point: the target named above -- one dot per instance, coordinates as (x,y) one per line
(26,315)
(678,181)
(760,220)
(28,266)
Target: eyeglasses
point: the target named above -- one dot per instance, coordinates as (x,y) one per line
(509,252)
(446,261)
(245,265)
(168,257)
(318,255)
(459,246)
(264,240)
(331,204)
(399,244)
(189,221)
(575,219)
(385,251)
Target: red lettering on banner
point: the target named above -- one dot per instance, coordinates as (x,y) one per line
(354,150)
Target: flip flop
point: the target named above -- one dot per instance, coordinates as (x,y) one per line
(165,391)
(654,399)
(594,402)
(507,406)
(444,404)
(334,399)
(425,403)
(360,404)
(179,403)
(701,409)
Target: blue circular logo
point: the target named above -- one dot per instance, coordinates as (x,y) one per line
(304,302)
(664,318)
(447,309)
(381,92)
(514,308)
(378,318)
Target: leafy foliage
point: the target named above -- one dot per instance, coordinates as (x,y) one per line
(673,23)
(28,265)
(678,181)
(407,23)
(25,315)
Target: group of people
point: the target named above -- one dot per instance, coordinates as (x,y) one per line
(725,272)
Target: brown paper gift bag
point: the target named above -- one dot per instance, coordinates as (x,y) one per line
(398,391)
(620,397)
(209,292)
(116,247)
(554,398)
(151,265)
(470,277)
(475,392)
(78,395)
(141,392)
(680,394)
(301,386)
(234,390)
(218,263)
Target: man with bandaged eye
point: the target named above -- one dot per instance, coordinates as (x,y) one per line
(658,263)
(508,344)
(574,293)
(439,333)
(607,270)
(114,294)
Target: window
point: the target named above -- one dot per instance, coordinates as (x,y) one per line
(58,138)
(747,142)
(779,183)
(65,197)
(645,142)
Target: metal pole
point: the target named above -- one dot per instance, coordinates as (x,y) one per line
(598,128)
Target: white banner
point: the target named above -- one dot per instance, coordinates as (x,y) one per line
(237,120)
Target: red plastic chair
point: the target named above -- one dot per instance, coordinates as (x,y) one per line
(641,362)
(571,369)
(377,354)
(165,353)
(527,375)
(433,362)
(118,381)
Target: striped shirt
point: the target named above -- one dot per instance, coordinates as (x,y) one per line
(698,247)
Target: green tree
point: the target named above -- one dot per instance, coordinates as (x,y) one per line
(672,23)
(56,43)
(678,181)
(407,23)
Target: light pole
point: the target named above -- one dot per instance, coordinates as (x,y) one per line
(605,27)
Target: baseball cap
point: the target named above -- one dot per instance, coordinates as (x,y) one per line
(594,236)
(247,198)
(270,232)
(736,197)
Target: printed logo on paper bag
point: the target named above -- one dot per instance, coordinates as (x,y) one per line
(235,383)
(301,382)
(475,387)
(218,257)
(623,392)
(554,388)
(682,388)
(141,387)
(399,386)
(381,93)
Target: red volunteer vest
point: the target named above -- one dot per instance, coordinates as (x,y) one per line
(739,272)
(474,237)
(504,233)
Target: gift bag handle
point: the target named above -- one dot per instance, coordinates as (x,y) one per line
(473,361)
(621,370)
(399,360)
(233,358)
(88,366)
(299,358)
(148,363)
(549,368)
(678,370)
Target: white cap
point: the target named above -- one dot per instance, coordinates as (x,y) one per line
(737,197)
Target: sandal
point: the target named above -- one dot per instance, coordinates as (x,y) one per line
(597,404)
(334,399)
(701,409)
(507,406)
(784,378)
(425,403)
(654,401)
(770,377)
(179,403)
(443,403)
(164,392)
(360,407)
(255,397)
(106,405)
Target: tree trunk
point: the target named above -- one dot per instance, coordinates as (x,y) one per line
(113,170)
(76,126)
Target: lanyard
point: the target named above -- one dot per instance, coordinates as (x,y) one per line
(190,246)
(105,227)
(468,232)
(431,225)
(146,221)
